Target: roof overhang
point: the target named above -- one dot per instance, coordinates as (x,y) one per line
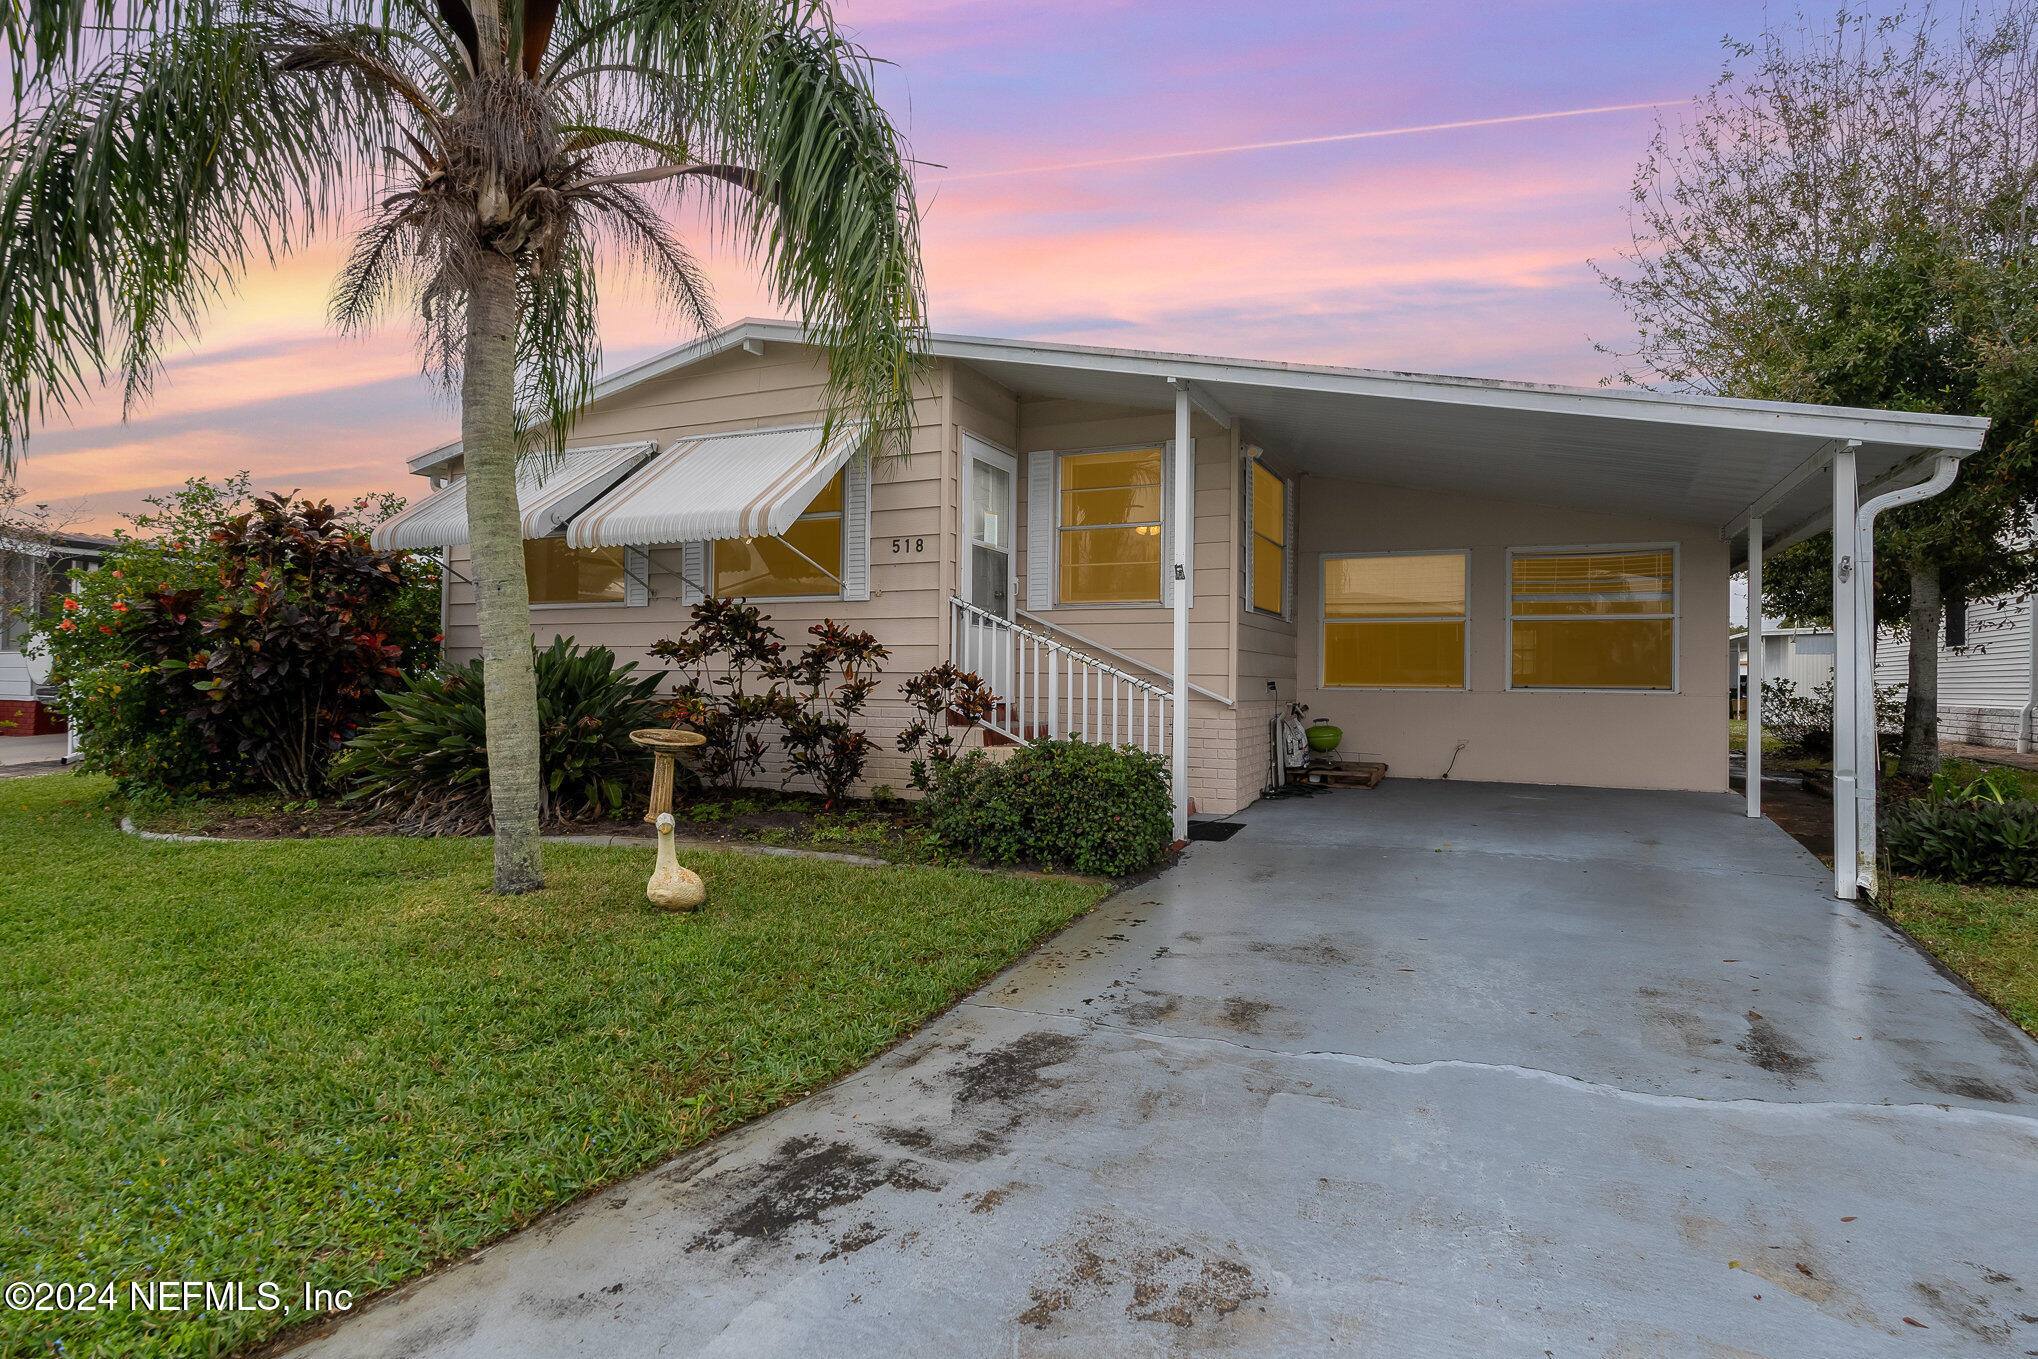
(1694,459)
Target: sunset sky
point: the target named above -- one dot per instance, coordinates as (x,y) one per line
(1058,205)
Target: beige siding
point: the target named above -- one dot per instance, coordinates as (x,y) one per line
(910,496)
(1606,739)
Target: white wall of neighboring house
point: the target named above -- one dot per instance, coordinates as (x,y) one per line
(17,678)
(1985,687)
(1804,656)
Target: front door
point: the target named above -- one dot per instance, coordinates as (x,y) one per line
(990,489)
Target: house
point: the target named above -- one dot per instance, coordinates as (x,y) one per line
(1475,579)
(1988,672)
(32,572)
(1803,656)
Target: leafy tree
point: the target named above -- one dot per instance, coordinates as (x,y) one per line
(1851,218)
(505,149)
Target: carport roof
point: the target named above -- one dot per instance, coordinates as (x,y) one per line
(1710,460)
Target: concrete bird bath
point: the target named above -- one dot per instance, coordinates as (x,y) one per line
(665,745)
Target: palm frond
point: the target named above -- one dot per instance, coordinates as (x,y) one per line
(140,192)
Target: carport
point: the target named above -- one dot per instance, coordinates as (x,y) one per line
(1767,474)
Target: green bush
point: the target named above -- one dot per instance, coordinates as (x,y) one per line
(231,641)
(424,763)
(1092,808)
(1974,841)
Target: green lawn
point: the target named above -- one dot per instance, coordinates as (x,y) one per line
(343,1061)
(1988,935)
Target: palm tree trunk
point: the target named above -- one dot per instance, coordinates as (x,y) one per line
(1918,757)
(501,594)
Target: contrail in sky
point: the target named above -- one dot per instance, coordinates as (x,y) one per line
(1312,141)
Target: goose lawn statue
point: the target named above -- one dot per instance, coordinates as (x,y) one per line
(673,887)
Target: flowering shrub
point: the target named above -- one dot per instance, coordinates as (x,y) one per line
(1093,808)
(229,642)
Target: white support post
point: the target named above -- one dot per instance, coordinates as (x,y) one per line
(1846,660)
(1185,526)
(1755,667)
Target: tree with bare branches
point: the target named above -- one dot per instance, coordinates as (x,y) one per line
(499,152)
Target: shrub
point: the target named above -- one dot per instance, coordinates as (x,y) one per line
(234,642)
(940,694)
(424,763)
(1092,808)
(1804,721)
(1977,841)
(727,648)
(1995,784)
(819,739)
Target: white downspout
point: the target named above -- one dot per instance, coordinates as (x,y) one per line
(1867,747)
(1185,525)
(1755,667)
(1846,657)
(2025,734)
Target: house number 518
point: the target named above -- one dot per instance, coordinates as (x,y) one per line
(908,547)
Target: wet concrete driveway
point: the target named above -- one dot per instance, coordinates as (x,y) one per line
(1439,1069)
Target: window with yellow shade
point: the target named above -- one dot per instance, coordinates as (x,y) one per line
(805,560)
(1269,559)
(558,574)
(1394,622)
(1111,506)
(1603,619)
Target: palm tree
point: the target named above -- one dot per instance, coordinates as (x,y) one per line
(492,154)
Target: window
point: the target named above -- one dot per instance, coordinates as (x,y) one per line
(1111,527)
(1269,555)
(1956,623)
(805,560)
(1394,622)
(559,574)
(1600,619)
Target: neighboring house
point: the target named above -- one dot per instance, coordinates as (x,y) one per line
(1804,656)
(1479,579)
(1988,682)
(32,572)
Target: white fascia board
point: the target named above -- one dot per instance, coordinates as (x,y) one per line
(1954,433)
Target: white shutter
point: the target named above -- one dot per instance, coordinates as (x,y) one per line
(1170,519)
(1039,530)
(693,573)
(1250,538)
(856,528)
(636,577)
(1289,488)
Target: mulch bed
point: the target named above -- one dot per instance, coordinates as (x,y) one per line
(791,814)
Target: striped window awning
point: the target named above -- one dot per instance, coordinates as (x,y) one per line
(546,497)
(744,484)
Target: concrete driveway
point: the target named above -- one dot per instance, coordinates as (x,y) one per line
(1438,1069)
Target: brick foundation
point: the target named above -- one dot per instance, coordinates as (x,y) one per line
(28,718)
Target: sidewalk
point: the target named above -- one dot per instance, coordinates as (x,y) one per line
(1990,755)
(32,749)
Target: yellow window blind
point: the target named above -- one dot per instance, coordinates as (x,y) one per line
(1594,620)
(1394,622)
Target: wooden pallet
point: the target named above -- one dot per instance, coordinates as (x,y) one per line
(1341,774)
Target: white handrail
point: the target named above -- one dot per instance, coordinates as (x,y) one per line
(1094,645)
(1048,688)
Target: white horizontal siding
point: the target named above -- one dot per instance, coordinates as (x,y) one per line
(1993,670)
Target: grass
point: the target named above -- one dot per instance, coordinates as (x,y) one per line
(1988,935)
(340,1062)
